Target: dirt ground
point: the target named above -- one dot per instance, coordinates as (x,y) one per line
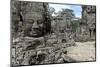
(83,51)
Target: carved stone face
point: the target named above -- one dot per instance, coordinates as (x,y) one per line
(35,26)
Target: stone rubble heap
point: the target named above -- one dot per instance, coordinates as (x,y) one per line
(32,51)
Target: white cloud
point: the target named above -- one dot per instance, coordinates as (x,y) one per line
(76,8)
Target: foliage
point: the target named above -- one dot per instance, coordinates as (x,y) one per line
(67,13)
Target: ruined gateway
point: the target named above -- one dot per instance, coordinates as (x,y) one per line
(32,41)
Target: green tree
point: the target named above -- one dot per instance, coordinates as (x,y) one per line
(51,10)
(67,13)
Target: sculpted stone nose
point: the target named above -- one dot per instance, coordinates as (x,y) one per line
(35,25)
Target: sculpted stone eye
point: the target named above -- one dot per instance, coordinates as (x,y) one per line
(39,22)
(30,21)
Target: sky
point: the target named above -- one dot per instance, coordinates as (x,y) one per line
(76,8)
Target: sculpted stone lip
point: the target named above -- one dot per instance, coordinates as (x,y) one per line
(35,29)
(35,33)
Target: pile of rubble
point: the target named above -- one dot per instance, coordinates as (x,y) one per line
(32,51)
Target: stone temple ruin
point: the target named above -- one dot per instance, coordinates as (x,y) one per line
(88,22)
(32,45)
(39,38)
